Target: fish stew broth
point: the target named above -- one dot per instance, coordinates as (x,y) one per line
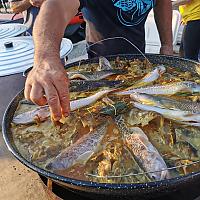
(111,140)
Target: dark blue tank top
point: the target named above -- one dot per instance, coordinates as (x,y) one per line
(116,18)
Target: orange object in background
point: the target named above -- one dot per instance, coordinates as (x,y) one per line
(78,19)
(75,30)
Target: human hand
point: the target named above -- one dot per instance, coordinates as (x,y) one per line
(47,82)
(166,50)
(36,3)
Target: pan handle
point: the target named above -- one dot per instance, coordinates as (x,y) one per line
(25,73)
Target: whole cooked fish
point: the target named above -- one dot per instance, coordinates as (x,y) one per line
(145,153)
(39,114)
(168,89)
(80,103)
(43,112)
(164,102)
(154,75)
(80,151)
(176,115)
(104,64)
(97,75)
(150,77)
(84,85)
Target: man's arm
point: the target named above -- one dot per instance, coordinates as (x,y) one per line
(163,18)
(47,81)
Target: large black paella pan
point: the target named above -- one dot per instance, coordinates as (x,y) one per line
(109,190)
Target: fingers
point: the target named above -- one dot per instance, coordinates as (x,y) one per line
(63,93)
(53,101)
(49,86)
(37,95)
(27,90)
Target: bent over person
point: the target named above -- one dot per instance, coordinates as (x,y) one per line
(47,82)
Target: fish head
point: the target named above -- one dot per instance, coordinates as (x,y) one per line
(158,176)
(160,169)
(191,86)
(195,87)
(143,98)
(41,114)
(104,64)
(161,69)
(23,119)
(137,96)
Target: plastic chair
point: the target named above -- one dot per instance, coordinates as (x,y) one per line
(151,33)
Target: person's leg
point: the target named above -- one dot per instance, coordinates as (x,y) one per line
(192,40)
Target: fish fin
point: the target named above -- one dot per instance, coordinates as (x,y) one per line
(165,175)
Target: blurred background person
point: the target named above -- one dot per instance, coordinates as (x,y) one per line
(75,31)
(29,9)
(190,11)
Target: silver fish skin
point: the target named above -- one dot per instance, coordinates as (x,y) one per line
(84,85)
(164,102)
(190,124)
(144,152)
(149,78)
(176,115)
(80,151)
(168,89)
(97,75)
(80,103)
(104,64)
(43,112)
(153,75)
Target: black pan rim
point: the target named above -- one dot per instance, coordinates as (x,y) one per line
(148,55)
(109,186)
(76,182)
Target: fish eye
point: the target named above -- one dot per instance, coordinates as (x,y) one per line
(154,177)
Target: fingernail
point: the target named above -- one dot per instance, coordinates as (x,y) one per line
(56,118)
